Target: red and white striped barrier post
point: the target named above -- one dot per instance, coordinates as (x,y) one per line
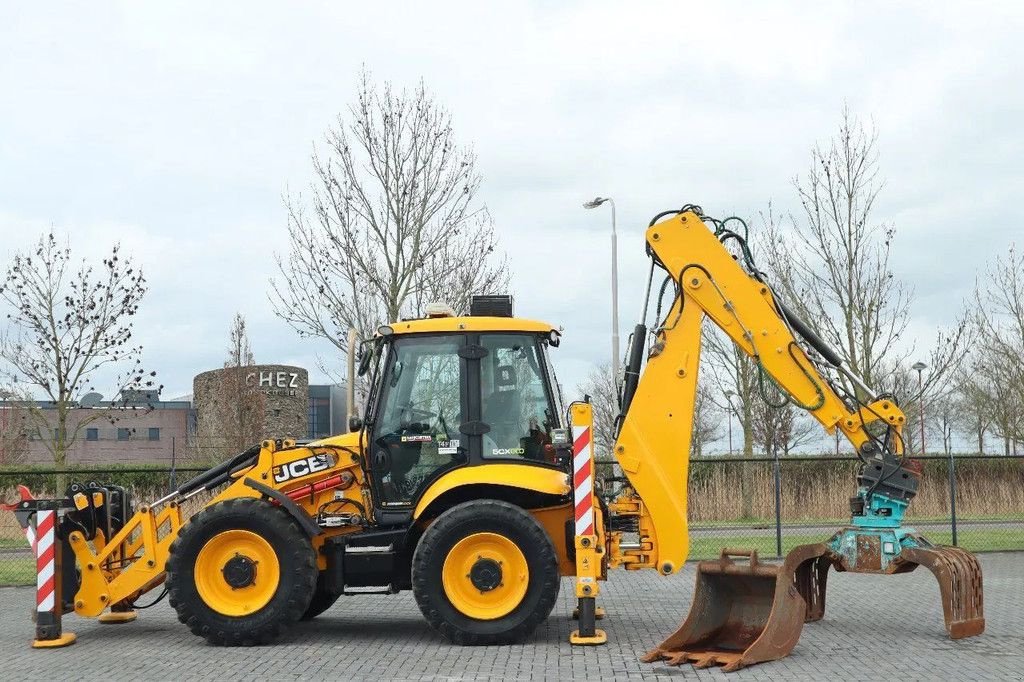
(589,552)
(583,478)
(49,600)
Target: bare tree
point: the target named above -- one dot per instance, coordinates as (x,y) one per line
(233,412)
(392,221)
(997,366)
(69,326)
(834,267)
(13,427)
(707,423)
(780,428)
(239,348)
(975,413)
(734,374)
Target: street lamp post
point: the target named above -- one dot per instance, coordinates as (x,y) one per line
(616,359)
(920,367)
(728,397)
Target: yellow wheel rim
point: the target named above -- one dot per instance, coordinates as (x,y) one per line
(485,576)
(237,573)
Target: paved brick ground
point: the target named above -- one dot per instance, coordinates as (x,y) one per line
(875,628)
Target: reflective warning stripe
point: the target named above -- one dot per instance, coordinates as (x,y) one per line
(30,535)
(45,539)
(583,479)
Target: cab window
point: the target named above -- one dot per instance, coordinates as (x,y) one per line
(416,434)
(515,403)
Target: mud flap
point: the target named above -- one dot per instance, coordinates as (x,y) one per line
(742,613)
(957,571)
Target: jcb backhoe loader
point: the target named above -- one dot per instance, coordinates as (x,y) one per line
(468,482)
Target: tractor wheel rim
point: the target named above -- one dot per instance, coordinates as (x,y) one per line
(485,576)
(237,573)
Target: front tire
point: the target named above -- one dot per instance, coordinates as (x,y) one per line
(485,572)
(240,572)
(322,599)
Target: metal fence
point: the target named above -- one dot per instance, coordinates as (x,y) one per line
(975,502)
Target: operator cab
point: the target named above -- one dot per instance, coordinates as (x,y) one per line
(458,391)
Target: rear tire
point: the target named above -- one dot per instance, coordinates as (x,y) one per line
(256,572)
(485,572)
(322,599)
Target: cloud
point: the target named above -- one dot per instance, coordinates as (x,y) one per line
(176,129)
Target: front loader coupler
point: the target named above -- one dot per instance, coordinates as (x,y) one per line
(742,613)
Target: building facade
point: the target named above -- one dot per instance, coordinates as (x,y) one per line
(125,431)
(143,429)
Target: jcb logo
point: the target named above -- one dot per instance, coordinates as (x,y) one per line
(302,467)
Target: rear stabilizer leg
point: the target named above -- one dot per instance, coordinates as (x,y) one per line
(49,578)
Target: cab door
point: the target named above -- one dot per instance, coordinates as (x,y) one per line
(416,434)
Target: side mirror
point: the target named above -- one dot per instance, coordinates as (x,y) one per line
(354,423)
(365,358)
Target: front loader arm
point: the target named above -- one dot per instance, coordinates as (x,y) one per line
(652,445)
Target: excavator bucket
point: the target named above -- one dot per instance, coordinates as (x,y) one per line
(742,613)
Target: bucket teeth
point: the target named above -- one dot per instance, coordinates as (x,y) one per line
(677,658)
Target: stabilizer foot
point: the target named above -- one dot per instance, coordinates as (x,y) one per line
(64,640)
(118,617)
(599,637)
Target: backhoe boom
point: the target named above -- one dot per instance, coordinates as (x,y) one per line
(656,428)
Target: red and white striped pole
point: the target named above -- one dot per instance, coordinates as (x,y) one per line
(589,553)
(583,478)
(45,559)
(49,602)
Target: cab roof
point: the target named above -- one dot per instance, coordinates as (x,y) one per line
(471,324)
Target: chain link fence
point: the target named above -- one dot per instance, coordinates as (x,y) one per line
(975,502)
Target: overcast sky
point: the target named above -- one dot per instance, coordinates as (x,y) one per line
(176,128)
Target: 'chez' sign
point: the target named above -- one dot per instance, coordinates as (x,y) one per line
(274,383)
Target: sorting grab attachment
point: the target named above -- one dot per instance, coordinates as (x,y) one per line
(957,571)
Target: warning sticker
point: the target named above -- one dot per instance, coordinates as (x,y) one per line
(448,447)
(417,439)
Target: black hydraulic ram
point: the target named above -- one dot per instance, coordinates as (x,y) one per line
(810,336)
(632,374)
(219,474)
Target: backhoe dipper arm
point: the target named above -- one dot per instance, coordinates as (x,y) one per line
(652,445)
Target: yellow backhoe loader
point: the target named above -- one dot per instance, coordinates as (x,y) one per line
(468,481)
